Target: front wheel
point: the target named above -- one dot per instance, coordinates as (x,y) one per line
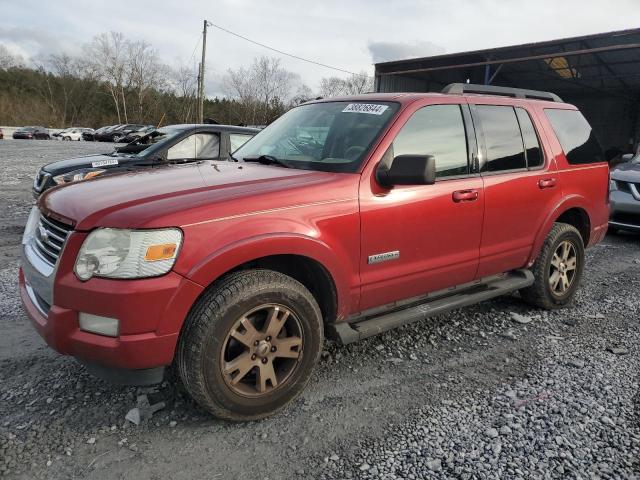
(249,345)
(558,268)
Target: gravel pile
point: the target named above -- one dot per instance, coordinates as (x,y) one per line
(575,416)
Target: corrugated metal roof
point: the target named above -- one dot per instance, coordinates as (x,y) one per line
(605,62)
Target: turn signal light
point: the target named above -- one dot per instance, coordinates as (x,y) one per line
(163,251)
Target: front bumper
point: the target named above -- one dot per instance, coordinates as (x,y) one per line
(150,311)
(625,210)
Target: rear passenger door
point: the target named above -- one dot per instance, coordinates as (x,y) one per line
(520,184)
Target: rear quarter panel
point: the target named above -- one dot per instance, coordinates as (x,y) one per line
(583,186)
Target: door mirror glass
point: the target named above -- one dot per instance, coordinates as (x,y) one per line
(408,170)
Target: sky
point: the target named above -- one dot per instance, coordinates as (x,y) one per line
(349,34)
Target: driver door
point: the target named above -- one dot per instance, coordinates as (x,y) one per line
(423,238)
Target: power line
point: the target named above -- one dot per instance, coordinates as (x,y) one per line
(285,53)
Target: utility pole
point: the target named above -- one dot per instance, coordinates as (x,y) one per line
(201,76)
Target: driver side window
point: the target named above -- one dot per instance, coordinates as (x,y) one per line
(196,146)
(436,130)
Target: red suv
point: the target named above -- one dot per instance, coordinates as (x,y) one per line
(346,216)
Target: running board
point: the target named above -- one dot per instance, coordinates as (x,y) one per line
(435,304)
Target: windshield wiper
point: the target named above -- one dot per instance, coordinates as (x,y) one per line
(267,160)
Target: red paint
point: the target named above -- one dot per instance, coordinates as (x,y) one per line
(448,233)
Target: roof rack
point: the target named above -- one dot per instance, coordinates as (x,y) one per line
(460,88)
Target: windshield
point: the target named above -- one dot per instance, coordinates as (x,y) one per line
(139,146)
(327,136)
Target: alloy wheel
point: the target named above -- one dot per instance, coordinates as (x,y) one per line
(563,267)
(262,350)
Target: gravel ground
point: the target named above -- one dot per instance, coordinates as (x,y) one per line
(497,390)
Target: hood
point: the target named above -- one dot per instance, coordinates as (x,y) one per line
(181,194)
(64,166)
(627,172)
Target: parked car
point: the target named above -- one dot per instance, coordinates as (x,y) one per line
(171,144)
(73,133)
(32,133)
(105,134)
(90,136)
(347,216)
(625,195)
(134,135)
(118,133)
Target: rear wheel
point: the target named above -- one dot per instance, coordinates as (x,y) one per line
(558,269)
(249,345)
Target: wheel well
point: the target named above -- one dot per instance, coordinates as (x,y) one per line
(308,272)
(579,219)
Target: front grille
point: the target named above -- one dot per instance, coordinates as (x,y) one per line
(49,238)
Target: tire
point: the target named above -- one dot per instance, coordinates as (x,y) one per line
(542,293)
(206,345)
(66,139)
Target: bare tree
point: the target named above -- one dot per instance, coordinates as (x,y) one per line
(9,60)
(303,94)
(332,87)
(145,73)
(262,89)
(183,83)
(107,54)
(352,85)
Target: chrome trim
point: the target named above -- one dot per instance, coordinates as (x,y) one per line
(53,225)
(383,257)
(37,261)
(45,248)
(34,299)
(40,180)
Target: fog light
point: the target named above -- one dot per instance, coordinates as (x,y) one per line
(100,325)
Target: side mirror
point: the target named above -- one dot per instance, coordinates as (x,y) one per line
(627,157)
(408,170)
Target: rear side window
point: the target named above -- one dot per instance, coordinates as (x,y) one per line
(436,130)
(502,138)
(576,136)
(533,152)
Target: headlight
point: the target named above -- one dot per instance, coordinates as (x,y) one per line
(32,224)
(77,175)
(118,253)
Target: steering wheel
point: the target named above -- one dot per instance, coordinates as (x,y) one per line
(353,152)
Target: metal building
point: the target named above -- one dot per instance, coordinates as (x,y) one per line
(599,73)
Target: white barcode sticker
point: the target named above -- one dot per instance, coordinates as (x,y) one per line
(104,163)
(370,108)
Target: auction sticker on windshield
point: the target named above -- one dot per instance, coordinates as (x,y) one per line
(104,163)
(370,108)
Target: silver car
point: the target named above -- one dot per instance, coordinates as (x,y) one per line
(625,196)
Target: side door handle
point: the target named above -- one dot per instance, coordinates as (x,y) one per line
(547,183)
(465,196)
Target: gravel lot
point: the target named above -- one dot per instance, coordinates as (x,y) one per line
(497,390)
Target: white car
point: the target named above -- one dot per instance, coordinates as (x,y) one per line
(73,133)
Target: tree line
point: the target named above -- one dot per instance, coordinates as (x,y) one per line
(118,80)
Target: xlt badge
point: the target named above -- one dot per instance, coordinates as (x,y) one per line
(384,257)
